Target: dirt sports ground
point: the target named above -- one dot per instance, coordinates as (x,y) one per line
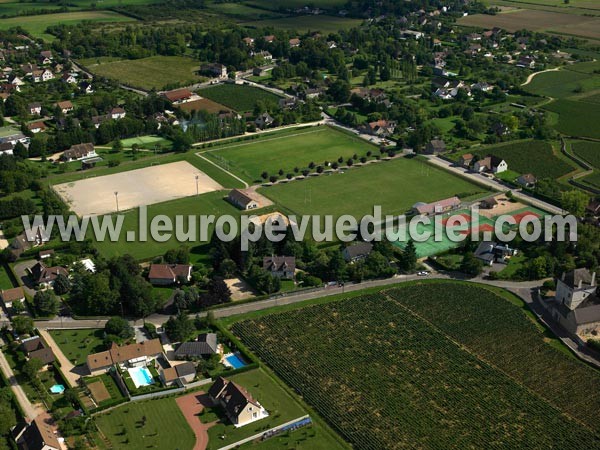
(95,196)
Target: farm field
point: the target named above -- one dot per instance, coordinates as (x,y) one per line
(125,426)
(288,151)
(566,82)
(154,72)
(428,354)
(396,185)
(242,11)
(238,97)
(15,7)
(36,25)
(324,24)
(279,4)
(537,20)
(588,151)
(576,118)
(535,157)
(77,344)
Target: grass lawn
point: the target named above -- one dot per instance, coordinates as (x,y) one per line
(154,72)
(280,405)
(147,142)
(5,282)
(77,344)
(37,25)
(242,98)
(566,82)
(576,118)
(109,384)
(395,185)
(515,263)
(297,149)
(302,24)
(164,427)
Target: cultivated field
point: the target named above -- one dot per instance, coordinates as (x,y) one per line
(570,81)
(36,25)
(16,7)
(147,424)
(589,151)
(395,185)
(291,150)
(238,97)
(154,72)
(386,369)
(95,196)
(276,5)
(302,24)
(576,118)
(204,104)
(537,20)
(536,157)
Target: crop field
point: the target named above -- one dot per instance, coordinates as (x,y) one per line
(288,151)
(238,97)
(396,185)
(566,82)
(584,4)
(445,356)
(37,25)
(302,24)
(154,72)
(147,424)
(537,20)
(589,151)
(242,11)
(534,157)
(282,4)
(16,7)
(576,118)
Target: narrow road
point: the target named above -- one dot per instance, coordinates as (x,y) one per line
(532,75)
(28,409)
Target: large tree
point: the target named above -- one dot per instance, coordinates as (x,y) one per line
(118,326)
(46,303)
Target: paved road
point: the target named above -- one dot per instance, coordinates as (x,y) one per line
(518,194)
(28,409)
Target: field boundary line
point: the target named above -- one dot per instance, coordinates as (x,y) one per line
(246,185)
(258,435)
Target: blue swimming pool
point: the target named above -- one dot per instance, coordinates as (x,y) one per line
(235,361)
(57,389)
(141,376)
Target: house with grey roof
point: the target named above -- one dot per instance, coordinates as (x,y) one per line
(576,305)
(205,345)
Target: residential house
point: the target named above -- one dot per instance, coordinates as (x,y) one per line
(264,54)
(411,34)
(99,120)
(65,107)
(527,180)
(239,405)
(28,69)
(381,127)
(133,355)
(490,252)
(42,75)
(249,41)
(357,251)
(86,87)
(244,199)
(294,42)
(435,147)
(34,347)
(216,69)
(269,39)
(46,54)
(481,86)
(593,208)
(312,93)
(6,148)
(78,152)
(38,435)
(204,346)
(69,78)
(15,80)
(178,96)
(489,203)
(168,274)
(259,72)
(12,295)
(280,266)
(36,127)
(465,160)
(439,207)
(179,375)
(499,129)
(288,102)
(45,276)
(576,306)
(526,62)
(35,108)
(264,120)
(491,164)
(117,113)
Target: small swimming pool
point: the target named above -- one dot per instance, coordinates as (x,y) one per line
(57,389)
(140,376)
(234,360)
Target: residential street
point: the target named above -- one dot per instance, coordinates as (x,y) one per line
(30,411)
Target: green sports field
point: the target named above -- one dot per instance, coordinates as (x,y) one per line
(396,185)
(147,424)
(294,149)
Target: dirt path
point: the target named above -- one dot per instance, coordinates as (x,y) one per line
(66,367)
(30,411)
(191,405)
(532,75)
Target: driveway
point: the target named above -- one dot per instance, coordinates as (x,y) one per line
(191,405)
(66,366)
(22,274)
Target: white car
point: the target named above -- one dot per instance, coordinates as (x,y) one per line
(423,273)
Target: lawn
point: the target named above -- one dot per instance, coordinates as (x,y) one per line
(154,72)
(241,98)
(77,344)
(157,423)
(426,354)
(37,25)
(288,151)
(5,282)
(146,142)
(303,24)
(395,185)
(567,82)
(576,118)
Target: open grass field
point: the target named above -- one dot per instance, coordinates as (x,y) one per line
(16,7)
(567,82)
(77,344)
(5,282)
(588,151)
(452,357)
(154,72)
(537,20)
(288,151)
(242,11)
(396,185)
(583,4)
(125,426)
(576,118)
(36,25)
(302,24)
(238,97)
(535,157)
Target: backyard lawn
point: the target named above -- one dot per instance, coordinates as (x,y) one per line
(77,344)
(5,282)
(157,423)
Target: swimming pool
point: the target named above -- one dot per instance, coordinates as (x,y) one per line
(234,360)
(57,389)
(140,376)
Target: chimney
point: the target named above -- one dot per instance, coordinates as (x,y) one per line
(593,283)
(580,283)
